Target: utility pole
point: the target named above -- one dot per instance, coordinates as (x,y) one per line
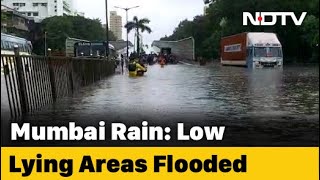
(107,31)
(45,43)
(127,34)
(127,9)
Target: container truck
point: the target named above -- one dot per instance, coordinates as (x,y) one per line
(252,49)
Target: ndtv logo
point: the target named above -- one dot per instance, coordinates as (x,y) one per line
(260,17)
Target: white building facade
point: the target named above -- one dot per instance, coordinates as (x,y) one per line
(41,9)
(116,24)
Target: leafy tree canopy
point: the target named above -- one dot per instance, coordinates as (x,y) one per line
(224,17)
(58,28)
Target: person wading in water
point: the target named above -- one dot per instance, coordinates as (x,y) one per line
(135,69)
(162,61)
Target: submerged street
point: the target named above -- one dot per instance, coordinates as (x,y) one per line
(203,91)
(280,106)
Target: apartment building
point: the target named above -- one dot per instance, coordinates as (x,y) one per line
(116,24)
(41,9)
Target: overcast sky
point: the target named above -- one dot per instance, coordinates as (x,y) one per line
(164,15)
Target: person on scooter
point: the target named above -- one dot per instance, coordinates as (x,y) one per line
(135,69)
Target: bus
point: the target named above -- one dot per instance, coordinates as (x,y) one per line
(70,45)
(93,49)
(9,41)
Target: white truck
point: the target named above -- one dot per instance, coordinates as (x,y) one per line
(252,49)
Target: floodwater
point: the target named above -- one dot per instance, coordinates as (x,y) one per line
(260,107)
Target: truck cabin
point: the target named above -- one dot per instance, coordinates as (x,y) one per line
(267,51)
(267,55)
(252,49)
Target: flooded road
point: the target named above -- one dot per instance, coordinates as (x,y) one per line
(263,106)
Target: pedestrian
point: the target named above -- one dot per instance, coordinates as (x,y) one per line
(162,61)
(155,59)
(122,63)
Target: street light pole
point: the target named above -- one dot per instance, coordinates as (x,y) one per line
(127,34)
(127,9)
(45,43)
(107,30)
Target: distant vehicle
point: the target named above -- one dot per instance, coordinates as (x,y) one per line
(93,49)
(170,58)
(9,41)
(166,51)
(70,43)
(252,49)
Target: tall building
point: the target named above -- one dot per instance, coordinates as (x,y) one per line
(116,24)
(13,22)
(41,9)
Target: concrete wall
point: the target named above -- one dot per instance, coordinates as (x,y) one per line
(184,48)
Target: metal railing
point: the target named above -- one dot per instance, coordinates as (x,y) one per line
(33,82)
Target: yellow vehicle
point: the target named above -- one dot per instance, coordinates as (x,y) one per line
(136,69)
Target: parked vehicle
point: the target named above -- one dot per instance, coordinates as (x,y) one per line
(252,49)
(70,46)
(170,58)
(93,49)
(9,41)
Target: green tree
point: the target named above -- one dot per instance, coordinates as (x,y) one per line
(137,25)
(58,28)
(224,18)
(310,30)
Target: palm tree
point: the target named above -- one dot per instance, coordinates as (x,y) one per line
(138,24)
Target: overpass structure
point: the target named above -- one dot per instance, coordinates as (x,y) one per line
(183,49)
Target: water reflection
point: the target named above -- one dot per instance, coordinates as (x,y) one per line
(265,92)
